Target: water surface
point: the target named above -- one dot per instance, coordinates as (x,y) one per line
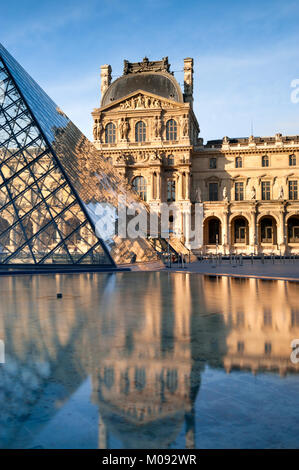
(148,360)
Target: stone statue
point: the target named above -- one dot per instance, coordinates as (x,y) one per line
(95,130)
(185,125)
(198,195)
(253,193)
(125,129)
(99,130)
(121,128)
(281,193)
(157,127)
(224,193)
(147,102)
(139,101)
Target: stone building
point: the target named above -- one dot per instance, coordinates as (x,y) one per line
(245,189)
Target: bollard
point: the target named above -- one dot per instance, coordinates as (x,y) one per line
(251,258)
(263,258)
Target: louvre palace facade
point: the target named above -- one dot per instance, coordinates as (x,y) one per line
(246,188)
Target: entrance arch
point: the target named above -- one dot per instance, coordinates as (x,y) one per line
(239,230)
(267,230)
(212,231)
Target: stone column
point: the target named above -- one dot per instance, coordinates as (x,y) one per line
(180,186)
(158,191)
(186,219)
(188,80)
(187,186)
(106,71)
(282,232)
(151,191)
(225,232)
(253,241)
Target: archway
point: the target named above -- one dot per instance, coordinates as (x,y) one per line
(212,231)
(293,229)
(239,230)
(268,230)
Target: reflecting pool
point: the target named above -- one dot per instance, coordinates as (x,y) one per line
(148,360)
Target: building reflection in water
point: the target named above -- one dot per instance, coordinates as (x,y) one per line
(145,341)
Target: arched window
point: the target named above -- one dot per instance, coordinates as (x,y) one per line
(110,133)
(140,131)
(265,160)
(139,184)
(171,130)
(170,160)
(239,162)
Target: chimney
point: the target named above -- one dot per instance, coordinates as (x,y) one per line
(106,71)
(188,80)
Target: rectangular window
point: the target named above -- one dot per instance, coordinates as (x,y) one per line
(213,163)
(295,317)
(266,188)
(292,160)
(268,348)
(213,191)
(267,317)
(170,191)
(293,190)
(238,162)
(239,191)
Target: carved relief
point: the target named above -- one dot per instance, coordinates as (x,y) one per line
(146,66)
(141,101)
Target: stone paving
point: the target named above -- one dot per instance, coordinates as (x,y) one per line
(287,269)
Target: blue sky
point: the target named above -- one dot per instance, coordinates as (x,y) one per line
(246,54)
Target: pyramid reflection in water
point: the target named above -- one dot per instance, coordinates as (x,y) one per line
(51,180)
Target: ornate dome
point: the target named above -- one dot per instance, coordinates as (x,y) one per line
(159,83)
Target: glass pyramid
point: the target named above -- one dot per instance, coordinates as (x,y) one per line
(51,180)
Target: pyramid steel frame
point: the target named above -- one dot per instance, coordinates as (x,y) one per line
(43,221)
